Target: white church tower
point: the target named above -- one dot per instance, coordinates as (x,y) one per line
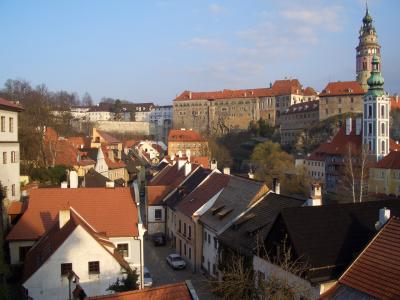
(376,114)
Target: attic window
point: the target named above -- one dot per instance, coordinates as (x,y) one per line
(66,269)
(216,209)
(222,214)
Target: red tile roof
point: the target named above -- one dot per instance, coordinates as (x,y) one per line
(390,161)
(203,193)
(16,208)
(340,88)
(8,105)
(176,291)
(201,160)
(395,102)
(129,143)
(376,271)
(112,211)
(287,87)
(309,91)
(54,238)
(108,137)
(177,135)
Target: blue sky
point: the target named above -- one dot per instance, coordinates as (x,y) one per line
(154,50)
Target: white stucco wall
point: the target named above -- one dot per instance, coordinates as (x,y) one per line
(14,250)
(9,172)
(79,248)
(153,225)
(209,252)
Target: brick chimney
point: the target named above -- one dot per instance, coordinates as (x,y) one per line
(63,217)
(276,186)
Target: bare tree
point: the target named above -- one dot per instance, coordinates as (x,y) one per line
(355,171)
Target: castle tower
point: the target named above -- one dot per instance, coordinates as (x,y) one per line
(376,114)
(367,47)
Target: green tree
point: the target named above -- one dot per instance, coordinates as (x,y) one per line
(126,283)
(219,152)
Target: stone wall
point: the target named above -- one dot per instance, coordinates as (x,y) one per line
(137,128)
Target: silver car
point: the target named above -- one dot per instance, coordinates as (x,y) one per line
(176,261)
(148,281)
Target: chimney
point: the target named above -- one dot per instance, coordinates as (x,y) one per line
(358,126)
(188,168)
(188,154)
(190,95)
(110,184)
(384,216)
(251,174)
(64,185)
(213,164)
(73,179)
(63,217)
(276,186)
(348,125)
(315,195)
(181,163)
(227,171)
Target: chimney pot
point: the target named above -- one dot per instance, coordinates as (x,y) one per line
(213,164)
(188,168)
(110,184)
(64,185)
(227,171)
(276,186)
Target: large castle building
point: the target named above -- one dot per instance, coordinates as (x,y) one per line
(368,46)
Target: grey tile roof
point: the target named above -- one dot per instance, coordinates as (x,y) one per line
(234,200)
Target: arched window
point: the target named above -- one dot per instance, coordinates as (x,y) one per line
(383,128)
(383,147)
(382,111)
(369,111)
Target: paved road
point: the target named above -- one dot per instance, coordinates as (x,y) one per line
(162,273)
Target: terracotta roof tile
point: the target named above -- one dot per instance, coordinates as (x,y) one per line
(376,271)
(112,211)
(176,291)
(395,102)
(16,208)
(55,236)
(176,135)
(390,161)
(8,105)
(108,137)
(287,87)
(201,160)
(342,88)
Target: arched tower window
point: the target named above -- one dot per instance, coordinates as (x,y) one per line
(369,111)
(382,111)
(383,147)
(383,128)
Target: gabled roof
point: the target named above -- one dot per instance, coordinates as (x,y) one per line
(108,137)
(55,237)
(256,223)
(175,291)
(287,87)
(376,271)
(94,179)
(8,105)
(342,88)
(239,194)
(177,135)
(203,193)
(16,208)
(112,211)
(328,237)
(225,94)
(390,161)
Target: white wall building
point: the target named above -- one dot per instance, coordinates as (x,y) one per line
(9,149)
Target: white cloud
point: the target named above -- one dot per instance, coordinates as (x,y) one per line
(216,8)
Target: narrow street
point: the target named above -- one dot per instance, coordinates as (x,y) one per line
(162,273)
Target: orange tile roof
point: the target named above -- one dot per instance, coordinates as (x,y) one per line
(16,208)
(177,135)
(129,143)
(112,211)
(390,161)
(201,160)
(204,192)
(108,137)
(176,291)
(287,87)
(376,271)
(54,238)
(9,105)
(395,102)
(340,88)
(309,91)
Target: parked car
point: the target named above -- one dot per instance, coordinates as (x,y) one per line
(176,261)
(148,281)
(159,239)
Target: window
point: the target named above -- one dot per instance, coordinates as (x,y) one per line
(184,229)
(11,124)
(209,239)
(184,249)
(13,157)
(383,147)
(190,253)
(190,232)
(13,190)
(94,267)
(3,124)
(215,243)
(205,236)
(369,111)
(180,226)
(214,269)
(66,269)
(123,249)
(157,214)
(352,100)
(370,129)
(383,128)
(340,100)
(22,252)
(4,157)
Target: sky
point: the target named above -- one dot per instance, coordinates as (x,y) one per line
(154,50)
